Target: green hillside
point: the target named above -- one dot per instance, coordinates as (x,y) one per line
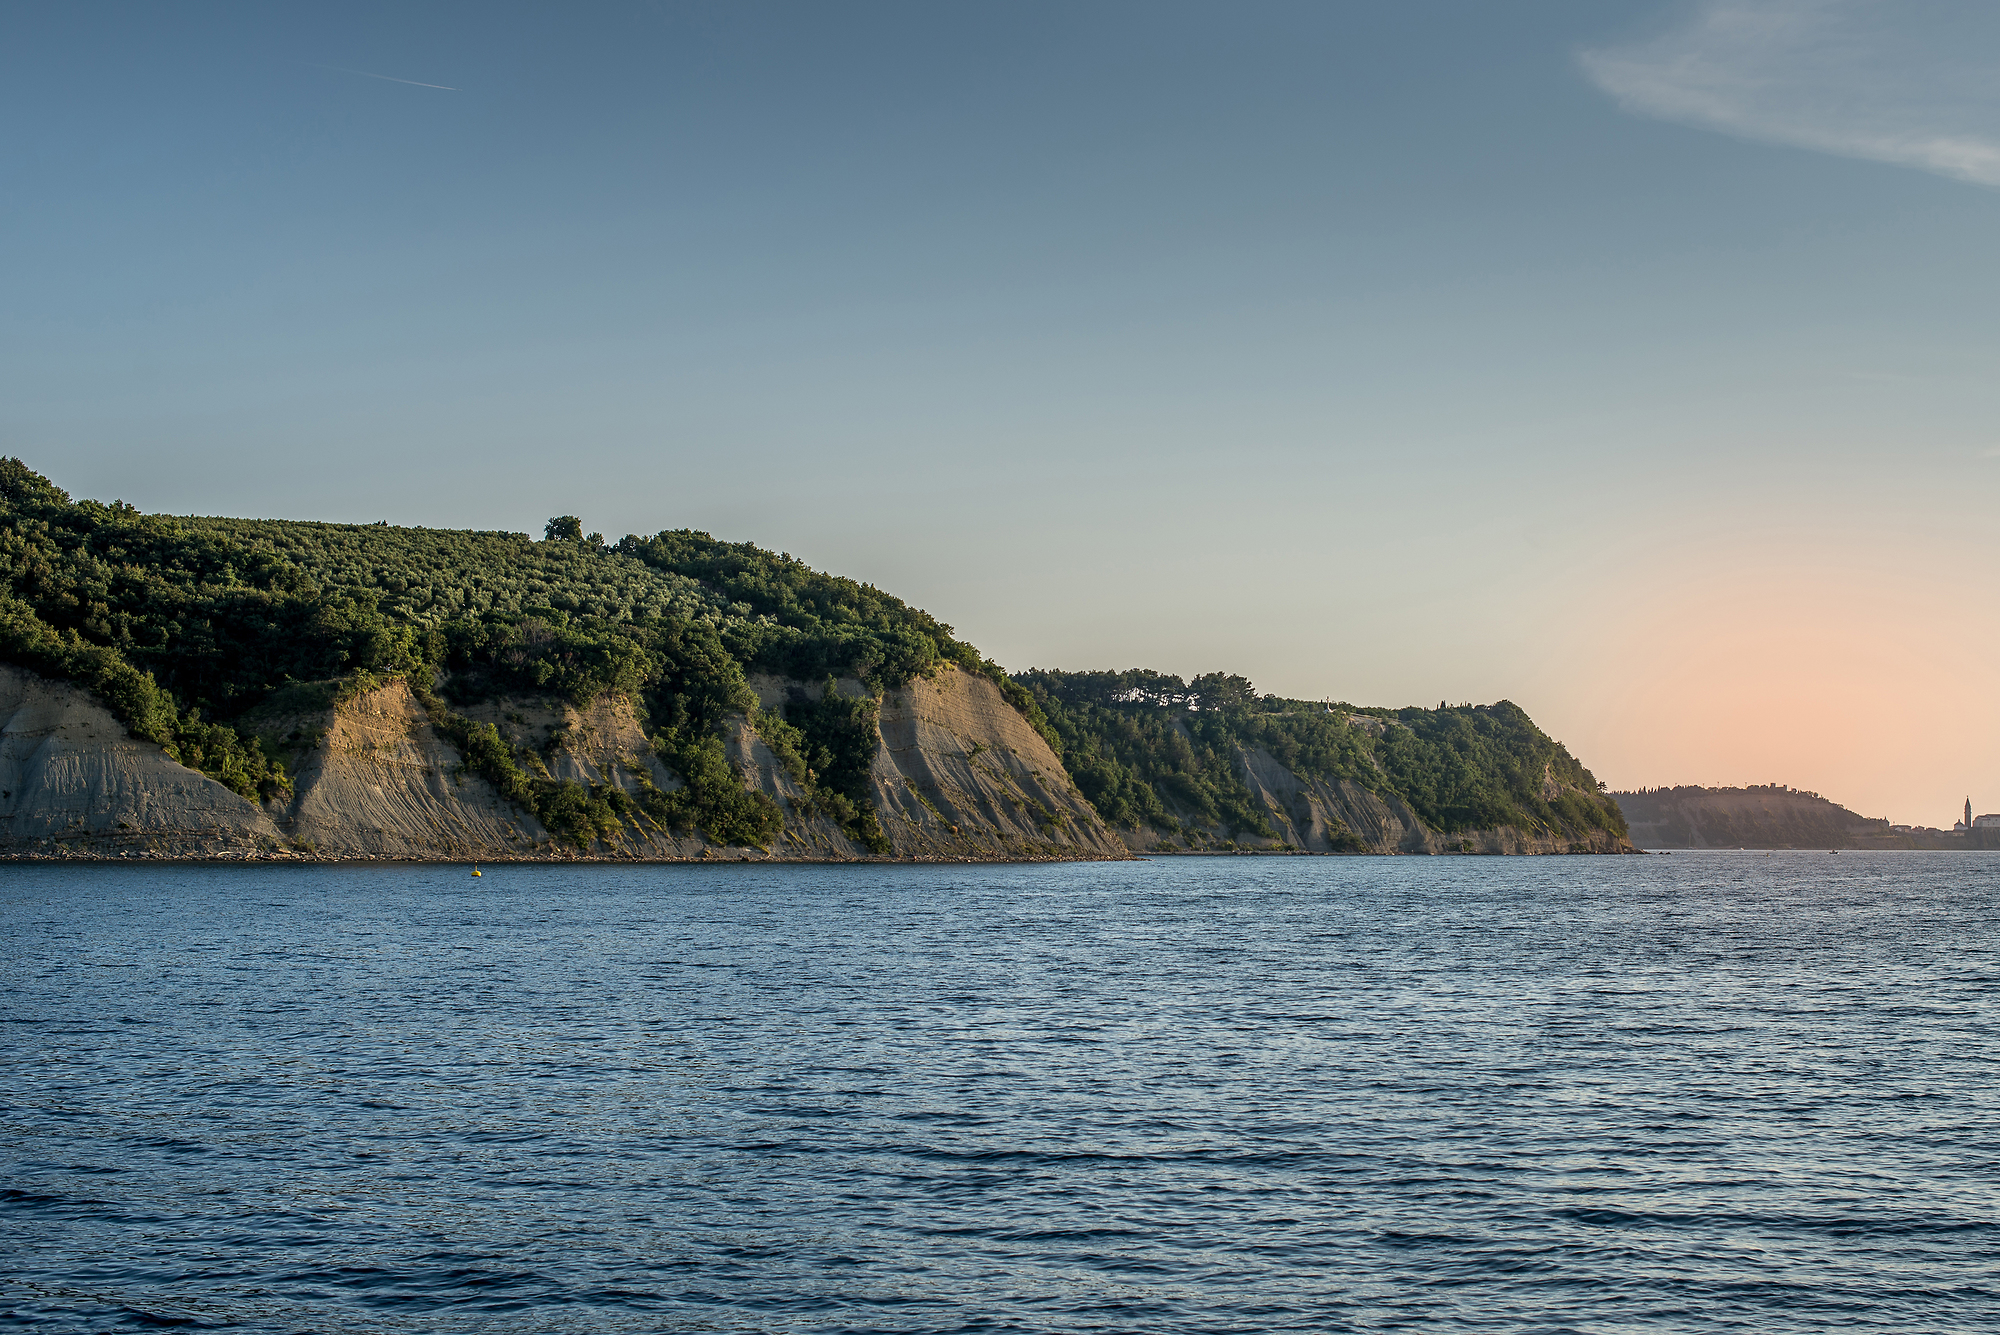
(184,625)
(1154,750)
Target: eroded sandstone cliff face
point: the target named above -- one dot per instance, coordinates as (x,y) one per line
(69,775)
(958,774)
(374,779)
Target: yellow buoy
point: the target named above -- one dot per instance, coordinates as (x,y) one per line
(475,871)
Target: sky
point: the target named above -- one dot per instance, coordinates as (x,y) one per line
(1633,361)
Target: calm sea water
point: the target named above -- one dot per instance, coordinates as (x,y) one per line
(1700,1092)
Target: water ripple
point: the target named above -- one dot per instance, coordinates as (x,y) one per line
(1699,1093)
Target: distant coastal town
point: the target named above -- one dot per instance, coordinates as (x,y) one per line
(1967,825)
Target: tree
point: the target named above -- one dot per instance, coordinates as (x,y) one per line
(1220,690)
(563,528)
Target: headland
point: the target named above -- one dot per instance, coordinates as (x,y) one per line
(190,687)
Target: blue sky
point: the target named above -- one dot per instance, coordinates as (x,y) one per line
(1632,361)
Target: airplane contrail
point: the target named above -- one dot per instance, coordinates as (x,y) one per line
(386,78)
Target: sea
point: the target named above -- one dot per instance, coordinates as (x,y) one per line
(1708,1092)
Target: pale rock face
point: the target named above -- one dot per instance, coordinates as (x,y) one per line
(68,769)
(1310,813)
(382,783)
(961,773)
(958,773)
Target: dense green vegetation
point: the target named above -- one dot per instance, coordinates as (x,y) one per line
(1150,749)
(432,577)
(808,625)
(678,671)
(827,742)
(798,622)
(165,623)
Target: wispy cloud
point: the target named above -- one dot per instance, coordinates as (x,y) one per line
(1912,82)
(386,78)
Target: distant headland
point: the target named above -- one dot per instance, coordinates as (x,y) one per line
(1775,816)
(230,688)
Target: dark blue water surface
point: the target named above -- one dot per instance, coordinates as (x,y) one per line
(1700,1092)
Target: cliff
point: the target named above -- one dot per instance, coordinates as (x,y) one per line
(1321,815)
(194,685)
(70,776)
(957,773)
(1329,815)
(1211,764)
